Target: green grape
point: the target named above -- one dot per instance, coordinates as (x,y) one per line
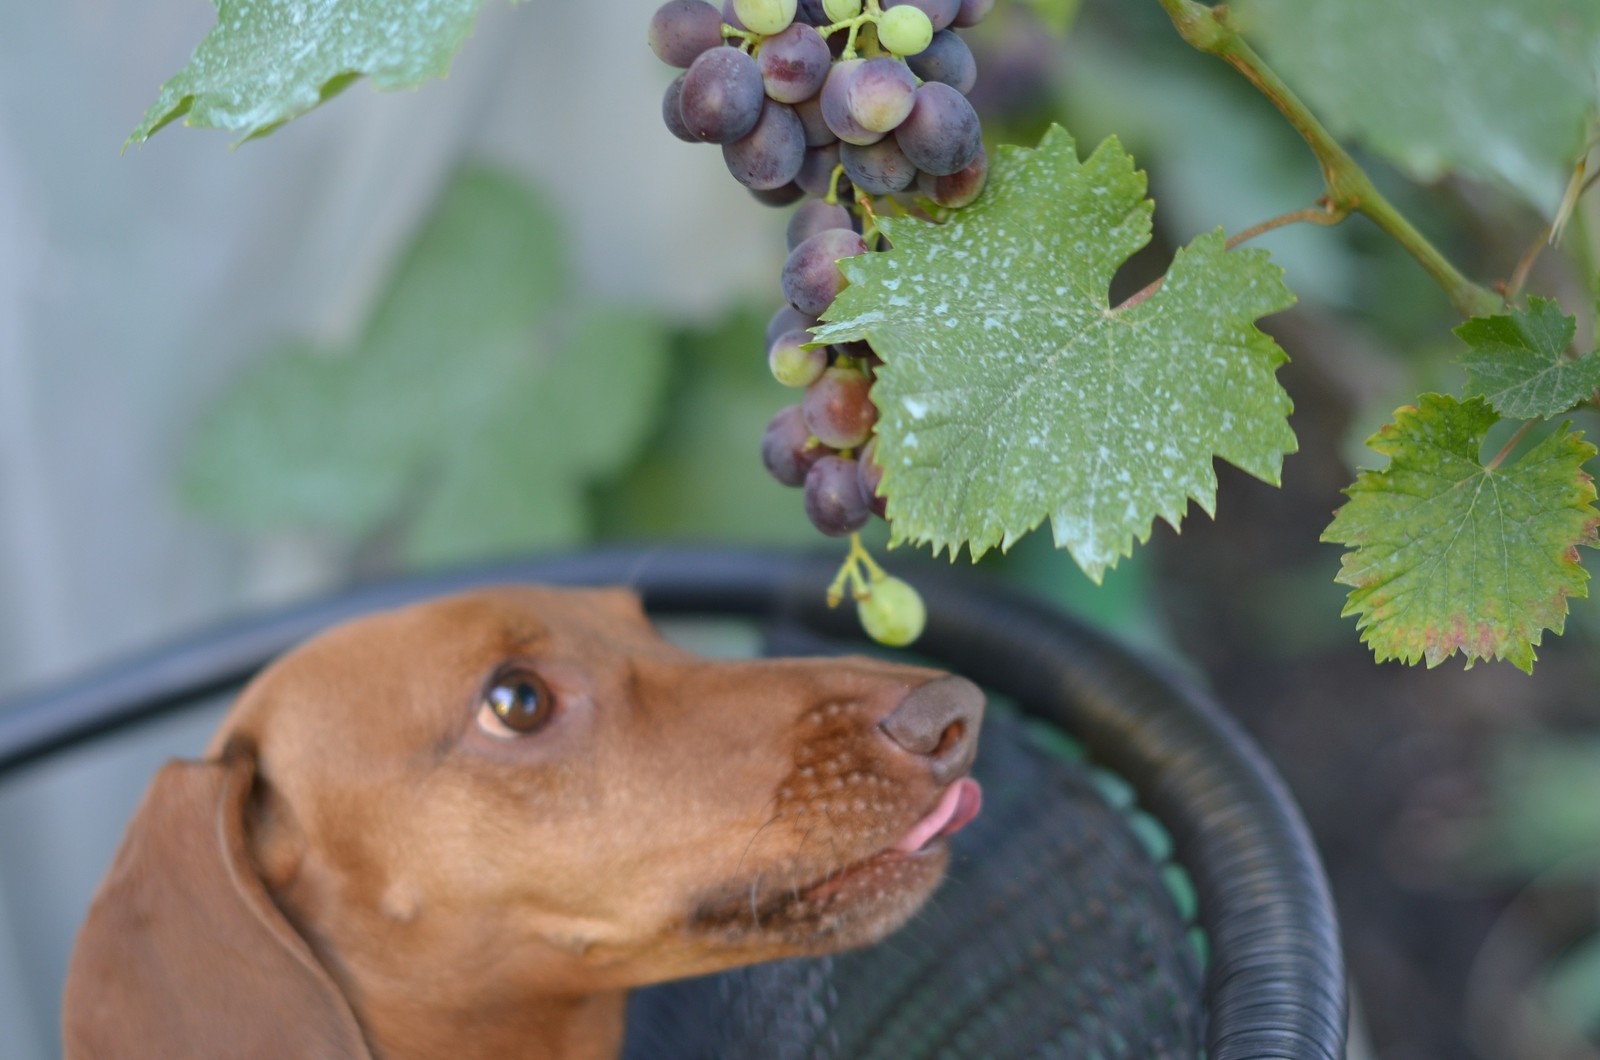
(892,613)
(905,30)
(765,17)
(841,10)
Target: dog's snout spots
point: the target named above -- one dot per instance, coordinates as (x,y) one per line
(938,721)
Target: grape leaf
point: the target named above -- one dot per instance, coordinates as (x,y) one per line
(1451,555)
(472,417)
(267,61)
(1518,361)
(1012,391)
(1493,89)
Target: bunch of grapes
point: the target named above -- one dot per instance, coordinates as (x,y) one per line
(850,108)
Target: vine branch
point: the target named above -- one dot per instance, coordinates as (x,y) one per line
(1348,187)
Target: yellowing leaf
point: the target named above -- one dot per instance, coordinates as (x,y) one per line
(1451,555)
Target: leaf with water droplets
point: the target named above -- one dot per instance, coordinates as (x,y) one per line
(1449,554)
(1013,391)
(267,61)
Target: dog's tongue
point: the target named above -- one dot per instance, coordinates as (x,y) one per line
(958,806)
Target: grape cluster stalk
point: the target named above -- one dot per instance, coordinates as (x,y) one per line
(850,108)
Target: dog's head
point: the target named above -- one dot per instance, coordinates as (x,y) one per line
(527,792)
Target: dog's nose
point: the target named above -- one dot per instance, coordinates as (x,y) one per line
(939,721)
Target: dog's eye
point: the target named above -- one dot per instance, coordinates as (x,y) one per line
(516,703)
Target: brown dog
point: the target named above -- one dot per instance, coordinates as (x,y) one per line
(466,828)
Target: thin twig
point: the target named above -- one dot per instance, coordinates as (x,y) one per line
(1519,276)
(1516,439)
(1324,213)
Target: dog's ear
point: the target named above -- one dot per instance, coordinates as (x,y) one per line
(184,953)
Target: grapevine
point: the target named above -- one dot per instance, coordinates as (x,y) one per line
(850,110)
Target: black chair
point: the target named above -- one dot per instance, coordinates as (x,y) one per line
(1139,885)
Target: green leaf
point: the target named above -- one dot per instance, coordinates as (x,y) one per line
(473,415)
(1493,89)
(1544,808)
(267,61)
(1518,361)
(1452,555)
(1013,391)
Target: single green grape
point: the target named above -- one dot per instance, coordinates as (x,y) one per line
(841,10)
(892,612)
(905,30)
(765,17)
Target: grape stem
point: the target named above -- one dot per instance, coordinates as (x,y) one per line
(871,14)
(1349,188)
(747,39)
(833,185)
(1512,443)
(850,572)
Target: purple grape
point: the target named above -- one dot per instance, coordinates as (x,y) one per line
(811,13)
(794,365)
(731,17)
(722,98)
(973,12)
(770,156)
(817,216)
(787,195)
(940,12)
(833,497)
(817,132)
(794,64)
(672,113)
(870,475)
(816,172)
(947,60)
(957,189)
(681,29)
(878,169)
(942,134)
(880,95)
(788,318)
(811,276)
(835,100)
(838,409)
(784,450)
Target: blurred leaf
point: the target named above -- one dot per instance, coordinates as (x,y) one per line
(474,400)
(1058,15)
(702,476)
(1571,989)
(1012,391)
(267,61)
(283,449)
(1449,555)
(1518,361)
(1495,90)
(1545,807)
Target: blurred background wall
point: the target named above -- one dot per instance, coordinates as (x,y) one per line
(133,285)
